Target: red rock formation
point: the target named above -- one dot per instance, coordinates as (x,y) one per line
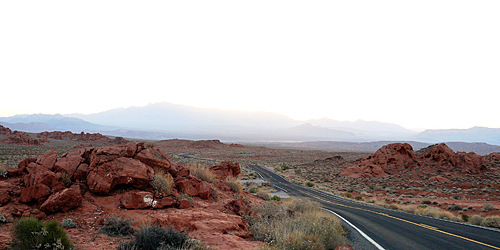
(137,200)
(64,200)
(104,177)
(48,159)
(154,158)
(70,161)
(20,138)
(364,171)
(226,168)
(5,131)
(184,203)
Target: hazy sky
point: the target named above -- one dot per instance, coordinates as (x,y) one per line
(420,64)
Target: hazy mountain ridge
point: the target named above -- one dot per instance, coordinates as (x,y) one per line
(166,120)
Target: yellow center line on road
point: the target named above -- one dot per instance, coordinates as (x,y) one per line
(410,222)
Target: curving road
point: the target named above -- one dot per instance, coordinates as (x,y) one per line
(389,229)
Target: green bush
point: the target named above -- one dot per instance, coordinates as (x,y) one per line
(117,227)
(68,223)
(159,238)
(253,190)
(310,184)
(358,198)
(187,197)
(427,202)
(455,208)
(347,195)
(297,171)
(465,217)
(276,198)
(31,233)
(285,167)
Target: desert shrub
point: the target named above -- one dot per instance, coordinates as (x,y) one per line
(65,178)
(491,221)
(465,217)
(3,171)
(310,184)
(215,193)
(233,184)
(347,195)
(455,208)
(263,195)
(488,207)
(187,197)
(427,202)
(202,173)
(68,223)
(253,190)
(312,229)
(394,206)
(162,182)
(476,219)
(3,219)
(358,198)
(117,227)
(159,238)
(297,171)
(276,198)
(31,233)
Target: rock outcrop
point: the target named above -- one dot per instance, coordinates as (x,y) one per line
(226,168)
(394,158)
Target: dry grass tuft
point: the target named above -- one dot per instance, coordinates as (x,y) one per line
(491,221)
(234,184)
(162,182)
(279,225)
(476,219)
(202,173)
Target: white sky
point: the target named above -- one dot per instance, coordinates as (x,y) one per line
(420,64)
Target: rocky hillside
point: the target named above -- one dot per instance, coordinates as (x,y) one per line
(88,184)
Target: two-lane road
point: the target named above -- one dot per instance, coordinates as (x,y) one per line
(391,229)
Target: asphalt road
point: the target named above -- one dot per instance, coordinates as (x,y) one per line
(389,229)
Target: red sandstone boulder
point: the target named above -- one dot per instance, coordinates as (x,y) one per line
(166,202)
(178,171)
(186,186)
(442,157)
(38,174)
(63,201)
(108,153)
(226,168)
(203,189)
(104,177)
(137,200)
(154,158)
(70,161)
(81,172)
(48,159)
(34,193)
(184,203)
(24,163)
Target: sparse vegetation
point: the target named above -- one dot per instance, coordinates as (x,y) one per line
(3,171)
(202,173)
(3,219)
(162,182)
(312,229)
(117,227)
(31,233)
(476,219)
(276,198)
(159,238)
(264,196)
(310,184)
(491,221)
(347,195)
(358,198)
(234,184)
(68,223)
(187,197)
(65,178)
(488,207)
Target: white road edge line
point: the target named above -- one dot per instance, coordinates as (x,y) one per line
(357,229)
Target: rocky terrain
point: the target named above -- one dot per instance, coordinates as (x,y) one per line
(90,183)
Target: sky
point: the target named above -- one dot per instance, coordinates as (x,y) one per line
(420,64)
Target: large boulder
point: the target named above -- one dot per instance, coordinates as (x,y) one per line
(48,159)
(203,189)
(64,200)
(104,177)
(154,158)
(226,168)
(38,174)
(34,193)
(186,186)
(70,161)
(105,154)
(137,200)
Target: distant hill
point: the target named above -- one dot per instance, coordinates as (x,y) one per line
(475,134)
(371,147)
(39,122)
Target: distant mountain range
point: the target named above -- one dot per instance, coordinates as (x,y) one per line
(166,120)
